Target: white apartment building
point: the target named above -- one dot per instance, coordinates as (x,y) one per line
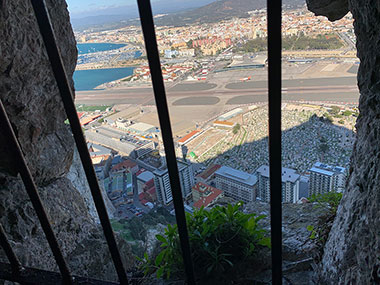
(290,184)
(325,178)
(162,182)
(236,184)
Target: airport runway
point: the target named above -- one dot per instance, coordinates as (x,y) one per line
(341,89)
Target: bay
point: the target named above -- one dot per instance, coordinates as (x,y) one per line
(96,47)
(89,79)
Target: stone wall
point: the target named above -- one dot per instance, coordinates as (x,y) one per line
(31,98)
(351,255)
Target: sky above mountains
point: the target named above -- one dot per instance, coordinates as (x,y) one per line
(89,8)
(93,7)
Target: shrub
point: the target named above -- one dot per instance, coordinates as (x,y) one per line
(219,239)
(236,129)
(347,113)
(320,232)
(329,200)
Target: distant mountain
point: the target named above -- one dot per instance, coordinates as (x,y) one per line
(221,10)
(118,17)
(178,13)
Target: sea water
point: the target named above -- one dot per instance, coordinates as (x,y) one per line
(89,79)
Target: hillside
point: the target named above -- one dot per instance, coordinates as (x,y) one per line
(220,10)
(213,12)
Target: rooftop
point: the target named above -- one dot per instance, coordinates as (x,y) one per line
(321,171)
(224,123)
(145,176)
(239,176)
(96,150)
(141,127)
(126,164)
(288,174)
(209,171)
(328,168)
(188,137)
(212,194)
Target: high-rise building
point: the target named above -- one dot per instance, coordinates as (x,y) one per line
(236,184)
(290,184)
(325,178)
(162,182)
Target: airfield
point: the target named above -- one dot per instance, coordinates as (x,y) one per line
(195,103)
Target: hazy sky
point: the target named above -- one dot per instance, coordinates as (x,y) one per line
(83,6)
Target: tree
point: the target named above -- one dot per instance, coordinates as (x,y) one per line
(323,147)
(189,44)
(236,129)
(335,110)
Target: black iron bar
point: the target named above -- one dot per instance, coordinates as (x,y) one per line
(15,263)
(42,277)
(60,75)
(274,10)
(147,25)
(31,189)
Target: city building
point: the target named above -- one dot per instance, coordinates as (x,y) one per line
(101,165)
(208,173)
(205,195)
(189,137)
(325,178)
(143,176)
(119,185)
(236,184)
(142,150)
(162,182)
(230,114)
(141,129)
(224,124)
(126,165)
(101,158)
(96,150)
(290,184)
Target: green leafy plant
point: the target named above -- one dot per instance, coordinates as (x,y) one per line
(236,129)
(320,232)
(219,239)
(329,200)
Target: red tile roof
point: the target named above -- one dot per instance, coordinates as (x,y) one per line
(206,201)
(224,123)
(188,136)
(126,164)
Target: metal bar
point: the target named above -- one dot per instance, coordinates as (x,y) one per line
(147,25)
(15,263)
(31,189)
(274,97)
(55,58)
(42,277)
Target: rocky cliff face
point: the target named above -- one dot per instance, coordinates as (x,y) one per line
(28,91)
(351,255)
(79,181)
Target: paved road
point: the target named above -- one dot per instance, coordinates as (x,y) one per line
(342,89)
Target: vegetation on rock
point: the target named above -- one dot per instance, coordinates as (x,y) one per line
(320,232)
(220,239)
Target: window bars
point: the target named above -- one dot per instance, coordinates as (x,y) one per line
(15,272)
